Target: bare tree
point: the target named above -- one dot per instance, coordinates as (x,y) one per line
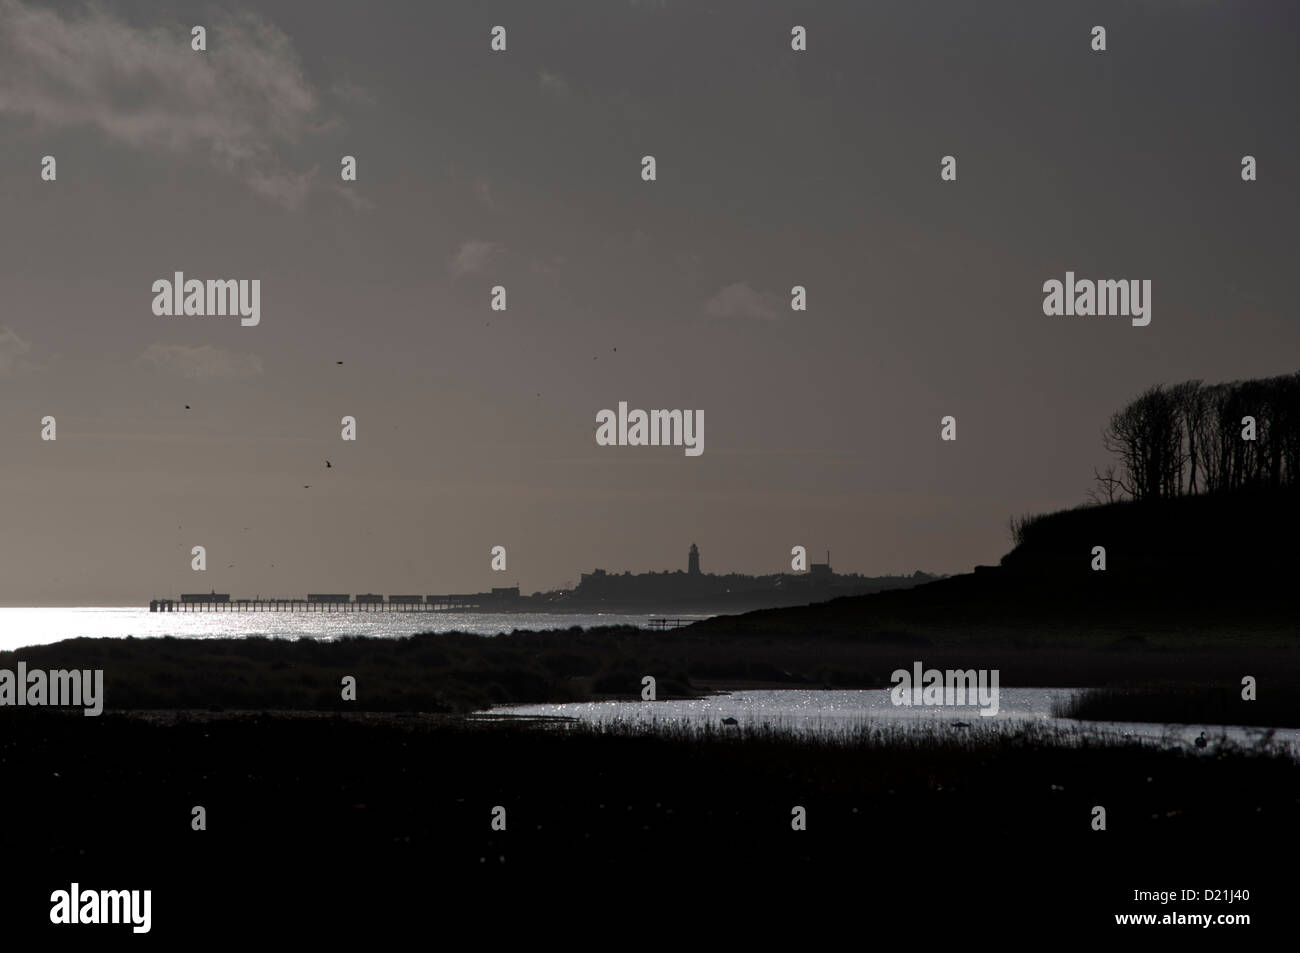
(1188,439)
(1148,440)
(1109,488)
(1189,400)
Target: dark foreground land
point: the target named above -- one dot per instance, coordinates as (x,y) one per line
(1142,679)
(373,822)
(374,815)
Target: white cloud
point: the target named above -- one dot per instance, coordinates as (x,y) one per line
(741,301)
(347,91)
(473,257)
(146,89)
(552,82)
(13,348)
(200,362)
(358,202)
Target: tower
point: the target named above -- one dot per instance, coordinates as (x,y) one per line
(693,561)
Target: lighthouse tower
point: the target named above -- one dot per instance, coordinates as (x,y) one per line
(693,561)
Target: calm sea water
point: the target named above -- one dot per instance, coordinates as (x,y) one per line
(39,626)
(838,712)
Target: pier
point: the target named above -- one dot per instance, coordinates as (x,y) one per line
(333,602)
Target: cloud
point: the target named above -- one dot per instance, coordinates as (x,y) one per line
(347,91)
(742,301)
(473,257)
(146,89)
(200,362)
(13,348)
(552,83)
(358,202)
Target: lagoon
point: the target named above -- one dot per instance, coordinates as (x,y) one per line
(835,713)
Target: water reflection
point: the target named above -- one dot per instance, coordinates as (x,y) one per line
(839,713)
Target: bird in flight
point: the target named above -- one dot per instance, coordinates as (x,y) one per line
(328,465)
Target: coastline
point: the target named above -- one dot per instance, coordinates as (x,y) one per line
(460,673)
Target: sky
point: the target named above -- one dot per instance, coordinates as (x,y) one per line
(476,168)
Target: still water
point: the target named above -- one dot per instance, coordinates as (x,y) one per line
(840,713)
(40,626)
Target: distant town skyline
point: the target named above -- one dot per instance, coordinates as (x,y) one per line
(692,568)
(477,428)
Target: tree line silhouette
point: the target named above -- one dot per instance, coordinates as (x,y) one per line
(1194,438)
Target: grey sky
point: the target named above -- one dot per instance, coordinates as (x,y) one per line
(476,428)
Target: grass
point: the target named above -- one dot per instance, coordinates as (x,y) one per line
(373,778)
(1277,704)
(894,739)
(324,818)
(457,672)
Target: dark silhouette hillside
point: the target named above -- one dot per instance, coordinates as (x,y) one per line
(1218,567)
(1249,532)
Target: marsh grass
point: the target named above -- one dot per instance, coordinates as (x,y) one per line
(458,672)
(1277,705)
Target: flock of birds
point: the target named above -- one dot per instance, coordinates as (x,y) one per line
(328,465)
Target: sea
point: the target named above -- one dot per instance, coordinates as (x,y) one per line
(39,626)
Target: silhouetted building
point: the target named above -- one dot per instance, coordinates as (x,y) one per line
(696,591)
(205,597)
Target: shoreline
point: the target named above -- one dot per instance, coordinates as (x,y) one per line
(453,673)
